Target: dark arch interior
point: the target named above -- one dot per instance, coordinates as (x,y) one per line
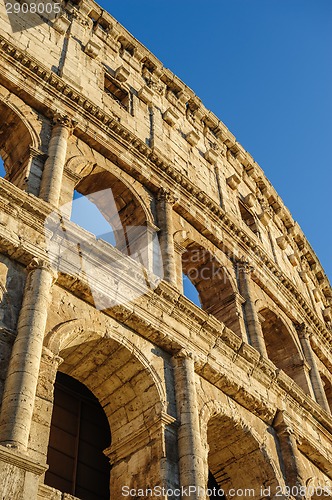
(79,434)
(213,488)
(281,348)
(236,460)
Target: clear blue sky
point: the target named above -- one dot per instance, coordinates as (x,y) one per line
(264,68)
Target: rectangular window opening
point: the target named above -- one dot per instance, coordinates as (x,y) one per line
(120,95)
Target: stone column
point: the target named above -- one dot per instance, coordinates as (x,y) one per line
(22,376)
(293,471)
(254,328)
(51,182)
(192,462)
(316,382)
(165,202)
(43,407)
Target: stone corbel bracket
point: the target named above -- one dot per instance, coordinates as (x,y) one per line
(170,116)
(92,49)
(61,24)
(233,181)
(192,137)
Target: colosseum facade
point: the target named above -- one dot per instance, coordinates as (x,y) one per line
(113,383)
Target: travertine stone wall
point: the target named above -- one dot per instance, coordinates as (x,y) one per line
(241,387)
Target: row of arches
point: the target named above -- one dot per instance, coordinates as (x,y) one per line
(115,383)
(112,210)
(80,433)
(97,403)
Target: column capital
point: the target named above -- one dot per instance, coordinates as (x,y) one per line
(38,263)
(165,194)
(63,120)
(184,354)
(282,423)
(50,357)
(244,266)
(179,248)
(303,331)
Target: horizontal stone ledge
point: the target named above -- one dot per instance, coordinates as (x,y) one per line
(21,460)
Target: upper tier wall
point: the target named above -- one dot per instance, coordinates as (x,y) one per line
(94,55)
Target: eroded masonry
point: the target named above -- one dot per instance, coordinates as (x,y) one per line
(112,381)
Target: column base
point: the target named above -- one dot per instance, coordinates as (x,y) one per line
(19,475)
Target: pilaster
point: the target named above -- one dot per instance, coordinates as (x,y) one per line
(192,463)
(43,407)
(291,458)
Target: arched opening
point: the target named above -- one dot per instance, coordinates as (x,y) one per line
(79,435)
(212,281)
(129,391)
(109,209)
(328,389)
(15,146)
(236,461)
(87,215)
(282,349)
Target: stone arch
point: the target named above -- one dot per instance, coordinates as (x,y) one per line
(214,283)
(127,221)
(283,347)
(78,330)
(82,168)
(285,316)
(18,142)
(129,390)
(232,444)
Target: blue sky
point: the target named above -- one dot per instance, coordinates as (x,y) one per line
(264,67)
